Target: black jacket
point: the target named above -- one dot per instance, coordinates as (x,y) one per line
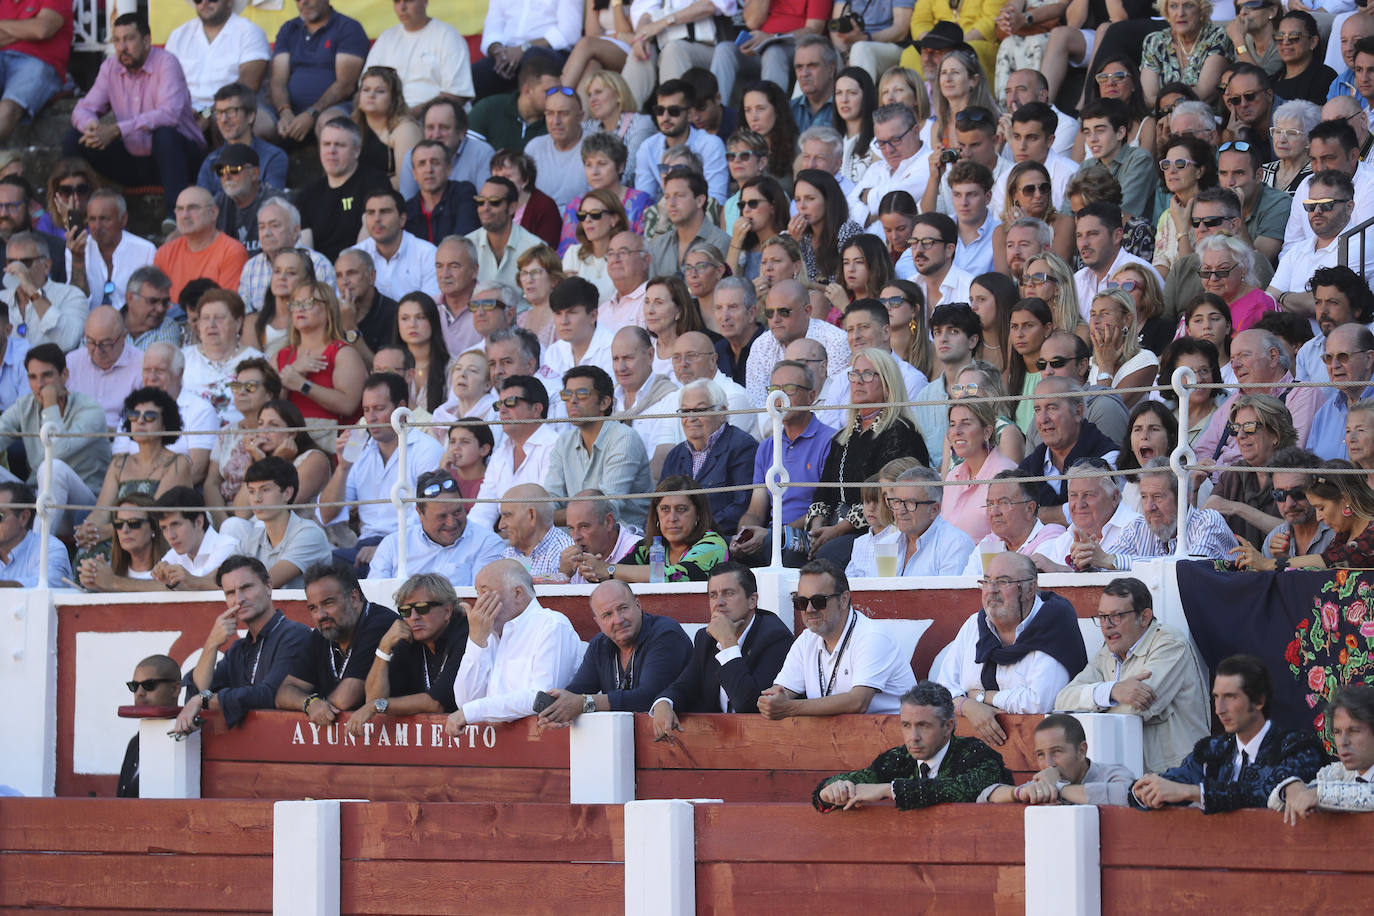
(1091,444)
(697,688)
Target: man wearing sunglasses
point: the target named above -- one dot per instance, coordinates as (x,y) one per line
(240,194)
(402,260)
(154,684)
(1349,359)
(672,104)
(558,154)
(147,301)
(787,312)
(235,113)
(844,662)
(1250,99)
(1332,146)
(523,453)
(16,198)
(1329,208)
(1066,355)
(1216,211)
(1300,533)
(1144,669)
(500,240)
(1016,653)
(443,542)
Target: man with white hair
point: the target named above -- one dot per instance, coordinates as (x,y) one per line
(903,164)
(163,366)
(455,268)
(532,537)
(1097,519)
(107,367)
(1013,519)
(926,544)
(1155,533)
(1194,119)
(40,308)
(101,258)
(599,539)
(714,453)
(515,649)
(821,147)
(638,388)
(279,228)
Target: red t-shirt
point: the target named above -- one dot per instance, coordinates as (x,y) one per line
(790,15)
(54,51)
(324,378)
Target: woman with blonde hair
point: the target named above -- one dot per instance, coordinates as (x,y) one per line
(322,374)
(961,83)
(600,217)
(1156,331)
(703,267)
(539,271)
(970,439)
(1118,361)
(611,108)
(904,86)
(389,133)
(981,379)
(1048,276)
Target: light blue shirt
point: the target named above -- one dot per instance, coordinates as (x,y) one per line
(1345,85)
(459,562)
(706,145)
(14,381)
(22,566)
(975,257)
(1326,436)
(371,477)
(942,551)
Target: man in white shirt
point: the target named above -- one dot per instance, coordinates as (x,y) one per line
(195,550)
(1097,517)
(515,649)
(866,324)
(443,542)
(105,255)
(1016,653)
(217,48)
(903,165)
(513,31)
(41,309)
(638,388)
(970,188)
(1331,208)
(404,262)
(843,663)
(929,262)
(107,367)
(956,331)
(1032,131)
(581,341)
(558,154)
(788,313)
(1098,232)
(1029,87)
(429,56)
(1332,145)
(522,455)
(163,367)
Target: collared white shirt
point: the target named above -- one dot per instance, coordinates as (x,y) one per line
(214,549)
(872,659)
(1086,281)
(502,474)
(766,352)
(941,551)
(1058,549)
(459,562)
(933,764)
(1029,685)
(722,656)
(108,386)
(210,65)
(659,431)
(559,22)
(558,358)
(953,288)
(372,477)
(1300,262)
(912,175)
(1299,232)
(410,268)
(1250,748)
(536,650)
(129,255)
(63,323)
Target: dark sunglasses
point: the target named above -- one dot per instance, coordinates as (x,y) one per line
(133,524)
(743,155)
(513,400)
(1211,222)
(1297,494)
(1039,278)
(589,215)
(223,170)
(1324,205)
(817,602)
(1237,145)
(419,607)
(1043,187)
(672,111)
(1221,273)
(485,305)
(781,311)
(489,201)
(147,416)
(579,394)
(1249,427)
(67,190)
(1247,97)
(1056,362)
(751,203)
(972,116)
(443,485)
(27,262)
(150,684)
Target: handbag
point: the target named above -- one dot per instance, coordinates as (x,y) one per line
(702,31)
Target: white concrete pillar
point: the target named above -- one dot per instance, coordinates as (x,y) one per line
(1115,738)
(1063,861)
(775,592)
(167,768)
(660,858)
(305,858)
(601,759)
(28,669)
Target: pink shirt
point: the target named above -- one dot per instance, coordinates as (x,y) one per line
(153,96)
(1248,309)
(963,506)
(1302,403)
(623,311)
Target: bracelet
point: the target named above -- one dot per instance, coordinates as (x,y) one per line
(384,656)
(308,700)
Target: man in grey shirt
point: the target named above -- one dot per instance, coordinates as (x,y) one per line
(558,154)
(286,543)
(1066,776)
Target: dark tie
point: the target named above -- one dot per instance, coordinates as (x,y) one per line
(1361,779)
(924,769)
(1244,763)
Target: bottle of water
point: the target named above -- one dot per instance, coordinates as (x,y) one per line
(657,561)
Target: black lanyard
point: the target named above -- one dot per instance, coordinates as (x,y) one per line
(253,672)
(349,654)
(828,686)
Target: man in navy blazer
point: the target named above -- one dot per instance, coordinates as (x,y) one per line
(715,453)
(734,657)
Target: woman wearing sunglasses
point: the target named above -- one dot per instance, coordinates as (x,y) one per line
(389,133)
(1049,277)
(603,164)
(1261,425)
(763,215)
(1345,503)
(906,316)
(1188,166)
(599,218)
(255,384)
(1030,193)
(136,548)
(1304,75)
(1226,266)
(1291,124)
(1118,78)
(1156,332)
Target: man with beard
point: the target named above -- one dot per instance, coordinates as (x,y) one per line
(1300,533)
(1156,532)
(15,195)
(672,108)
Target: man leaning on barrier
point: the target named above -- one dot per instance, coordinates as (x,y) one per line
(329,678)
(1348,784)
(1066,776)
(931,767)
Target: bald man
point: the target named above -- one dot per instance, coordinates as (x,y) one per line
(788,316)
(107,367)
(199,248)
(829,390)
(529,530)
(695,357)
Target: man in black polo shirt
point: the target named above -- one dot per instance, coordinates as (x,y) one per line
(332,208)
(329,677)
(254,667)
(416,662)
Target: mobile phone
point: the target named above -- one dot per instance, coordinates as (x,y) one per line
(75,218)
(542,701)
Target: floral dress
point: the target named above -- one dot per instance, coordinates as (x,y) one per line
(1157,54)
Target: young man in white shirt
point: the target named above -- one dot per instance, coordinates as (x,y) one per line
(929,262)
(195,549)
(1099,233)
(404,262)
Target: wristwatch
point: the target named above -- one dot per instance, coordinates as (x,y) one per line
(380,704)
(978,697)
(350,337)
(610,571)
(306,385)
(205,698)
(589,703)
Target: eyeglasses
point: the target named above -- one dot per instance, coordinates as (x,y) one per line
(13,205)
(1039,277)
(893,302)
(149,685)
(1114,619)
(1246,97)
(1175,164)
(817,602)
(488,201)
(751,203)
(1248,428)
(101,346)
(1284,38)
(782,311)
(560,90)
(679,359)
(231,110)
(222,170)
(305,305)
(586,216)
(580,394)
(672,111)
(485,305)
(1221,273)
(925,244)
(743,155)
(419,607)
(1126,286)
(133,524)
(616,254)
(965,389)
(533,273)
(1211,222)
(442,485)
(862,376)
(1297,494)
(153,300)
(790,388)
(709,408)
(693,269)
(1115,76)
(1323,204)
(1340,359)
(247,387)
(892,143)
(67,190)
(1002,505)
(1239,146)
(145,416)
(1284,133)
(1054,362)
(1001,582)
(907,506)
(1043,187)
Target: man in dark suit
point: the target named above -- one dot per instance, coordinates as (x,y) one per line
(734,657)
(715,453)
(931,767)
(1065,437)
(1240,768)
